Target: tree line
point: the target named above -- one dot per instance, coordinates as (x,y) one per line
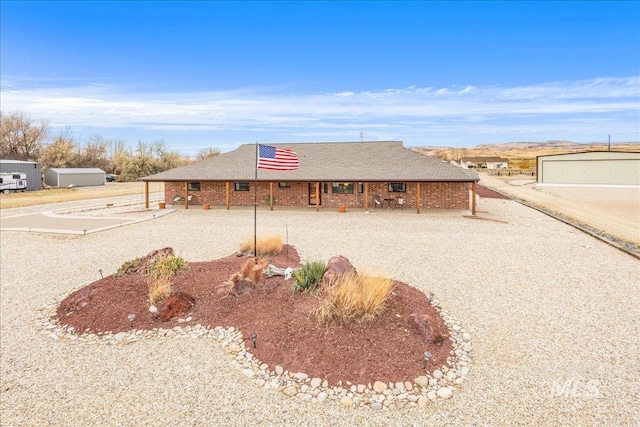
(23,138)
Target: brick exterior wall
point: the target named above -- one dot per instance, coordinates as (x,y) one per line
(433,195)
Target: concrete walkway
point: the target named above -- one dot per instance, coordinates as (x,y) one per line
(61,218)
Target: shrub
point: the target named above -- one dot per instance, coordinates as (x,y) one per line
(309,276)
(129,267)
(355,299)
(159,274)
(271,245)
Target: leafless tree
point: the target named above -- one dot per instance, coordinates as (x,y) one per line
(21,138)
(206,153)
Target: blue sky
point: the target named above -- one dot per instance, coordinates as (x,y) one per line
(220,74)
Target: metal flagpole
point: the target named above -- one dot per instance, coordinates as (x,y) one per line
(255,208)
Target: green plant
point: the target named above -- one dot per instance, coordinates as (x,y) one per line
(309,276)
(355,299)
(165,266)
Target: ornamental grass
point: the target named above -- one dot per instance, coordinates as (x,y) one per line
(355,299)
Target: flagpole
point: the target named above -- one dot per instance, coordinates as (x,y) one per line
(255,208)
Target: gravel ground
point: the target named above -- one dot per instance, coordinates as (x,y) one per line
(553,315)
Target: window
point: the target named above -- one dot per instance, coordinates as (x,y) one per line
(397,187)
(193,186)
(360,188)
(284,184)
(342,188)
(241,186)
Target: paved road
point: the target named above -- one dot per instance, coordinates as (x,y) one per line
(49,219)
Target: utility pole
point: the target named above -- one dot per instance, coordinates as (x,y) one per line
(609,142)
(361,136)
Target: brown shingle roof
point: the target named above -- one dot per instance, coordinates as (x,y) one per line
(325,161)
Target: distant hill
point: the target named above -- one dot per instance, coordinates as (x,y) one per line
(523,154)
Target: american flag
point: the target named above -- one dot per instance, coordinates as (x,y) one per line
(278,159)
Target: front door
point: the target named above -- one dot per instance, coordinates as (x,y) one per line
(312,194)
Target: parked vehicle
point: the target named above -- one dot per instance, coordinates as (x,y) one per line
(111,177)
(13,181)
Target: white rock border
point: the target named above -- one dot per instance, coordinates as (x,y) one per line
(436,386)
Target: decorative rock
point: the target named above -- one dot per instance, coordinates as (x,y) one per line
(408,386)
(322,396)
(437,374)
(304,388)
(346,401)
(423,401)
(464,371)
(290,391)
(248,372)
(361,388)
(175,305)
(120,336)
(337,266)
(379,386)
(279,370)
(422,381)
(153,309)
(377,406)
(315,382)
(301,376)
(444,392)
(427,327)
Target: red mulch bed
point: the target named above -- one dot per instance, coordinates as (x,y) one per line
(388,349)
(489,194)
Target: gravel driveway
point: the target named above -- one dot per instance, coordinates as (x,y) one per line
(552,312)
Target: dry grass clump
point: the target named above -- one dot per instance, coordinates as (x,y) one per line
(355,299)
(270,245)
(159,274)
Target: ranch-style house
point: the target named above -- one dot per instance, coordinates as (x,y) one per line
(356,175)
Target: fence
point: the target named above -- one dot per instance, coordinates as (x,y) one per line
(511,172)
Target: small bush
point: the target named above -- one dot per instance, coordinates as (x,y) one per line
(309,276)
(355,299)
(159,274)
(271,245)
(165,266)
(130,267)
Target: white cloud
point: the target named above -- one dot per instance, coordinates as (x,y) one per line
(453,112)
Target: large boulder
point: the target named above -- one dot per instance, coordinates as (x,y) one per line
(337,267)
(176,305)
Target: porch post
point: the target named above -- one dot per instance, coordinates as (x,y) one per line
(146,194)
(186,195)
(317,196)
(473,198)
(366,196)
(227,195)
(270,196)
(418,197)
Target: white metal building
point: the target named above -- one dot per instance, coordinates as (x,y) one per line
(76,177)
(594,168)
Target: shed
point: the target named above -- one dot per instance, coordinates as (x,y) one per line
(76,177)
(593,168)
(31,169)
